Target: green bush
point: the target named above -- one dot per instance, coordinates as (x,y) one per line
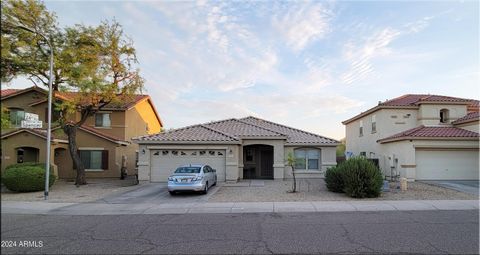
(26,177)
(334,179)
(361,178)
(42,165)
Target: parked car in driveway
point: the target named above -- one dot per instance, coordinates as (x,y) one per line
(198,177)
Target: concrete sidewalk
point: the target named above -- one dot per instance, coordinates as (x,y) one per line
(14,207)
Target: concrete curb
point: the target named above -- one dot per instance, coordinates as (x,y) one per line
(16,207)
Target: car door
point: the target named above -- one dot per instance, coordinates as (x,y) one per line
(209,175)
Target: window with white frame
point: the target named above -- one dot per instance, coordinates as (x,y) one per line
(102,119)
(374,124)
(94,159)
(307,159)
(360,130)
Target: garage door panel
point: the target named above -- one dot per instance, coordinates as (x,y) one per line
(164,162)
(447,165)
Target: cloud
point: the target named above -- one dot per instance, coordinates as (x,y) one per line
(303,23)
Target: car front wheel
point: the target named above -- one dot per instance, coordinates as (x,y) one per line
(172,192)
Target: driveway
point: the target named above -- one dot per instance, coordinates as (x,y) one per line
(470,187)
(156,193)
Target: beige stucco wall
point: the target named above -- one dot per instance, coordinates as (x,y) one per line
(117,127)
(473,126)
(231,158)
(389,122)
(404,151)
(234,158)
(429,114)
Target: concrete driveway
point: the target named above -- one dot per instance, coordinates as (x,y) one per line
(156,193)
(470,187)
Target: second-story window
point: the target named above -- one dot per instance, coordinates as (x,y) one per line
(102,119)
(16,116)
(360,130)
(374,124)
(444,116)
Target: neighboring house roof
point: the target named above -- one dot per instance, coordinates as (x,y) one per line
(100,134)
(423,132)
(42,133)
(412,101)
(6,92)
(233,130)
(471,117)
(125,103)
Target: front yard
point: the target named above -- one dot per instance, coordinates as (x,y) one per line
(316,190)
(66,192)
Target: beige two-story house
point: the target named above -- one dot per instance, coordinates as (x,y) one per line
(104,140)
(420,137)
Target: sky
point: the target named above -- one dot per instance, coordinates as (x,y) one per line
(305,64)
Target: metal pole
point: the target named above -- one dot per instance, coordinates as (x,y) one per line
(49,125)
(49,118)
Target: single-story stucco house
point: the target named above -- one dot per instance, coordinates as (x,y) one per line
(243,148)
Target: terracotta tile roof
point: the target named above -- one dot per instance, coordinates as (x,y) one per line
(416,99)
(195,133)
(473,116)
(40,132)
(294,136)
(122,104)
(239,128)
(6,92)
(232,130)
(431,132)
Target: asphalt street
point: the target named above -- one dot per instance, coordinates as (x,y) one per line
(428,232)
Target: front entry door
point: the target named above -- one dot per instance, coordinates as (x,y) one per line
(266,170)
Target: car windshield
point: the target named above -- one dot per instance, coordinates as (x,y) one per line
(188,170)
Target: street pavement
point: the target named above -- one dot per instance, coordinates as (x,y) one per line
(381,232)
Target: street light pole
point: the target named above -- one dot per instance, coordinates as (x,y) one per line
(49,118)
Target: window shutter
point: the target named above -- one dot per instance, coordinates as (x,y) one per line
(105,160)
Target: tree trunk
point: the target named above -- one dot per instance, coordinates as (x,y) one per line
(71,131)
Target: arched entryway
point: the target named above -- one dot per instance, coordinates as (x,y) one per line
(258,161)
(27,154)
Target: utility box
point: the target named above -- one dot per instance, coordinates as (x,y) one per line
(403,184)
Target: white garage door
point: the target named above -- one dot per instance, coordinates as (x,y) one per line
(164,162)
(446,165)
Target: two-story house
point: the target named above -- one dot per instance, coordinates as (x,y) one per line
(103,140)
(420,137)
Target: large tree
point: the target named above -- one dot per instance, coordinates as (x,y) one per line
(97,63)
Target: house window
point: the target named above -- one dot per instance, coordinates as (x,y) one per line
(16,116)
(94,159)
(307,159)
(102,120)
(363,154)
(374,124)
(444,116)
(360,130)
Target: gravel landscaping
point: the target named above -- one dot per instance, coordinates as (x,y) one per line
(66,192)
(315,190)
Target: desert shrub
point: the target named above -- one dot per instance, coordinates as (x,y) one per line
(334,179)
(26,177)
(361,178)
